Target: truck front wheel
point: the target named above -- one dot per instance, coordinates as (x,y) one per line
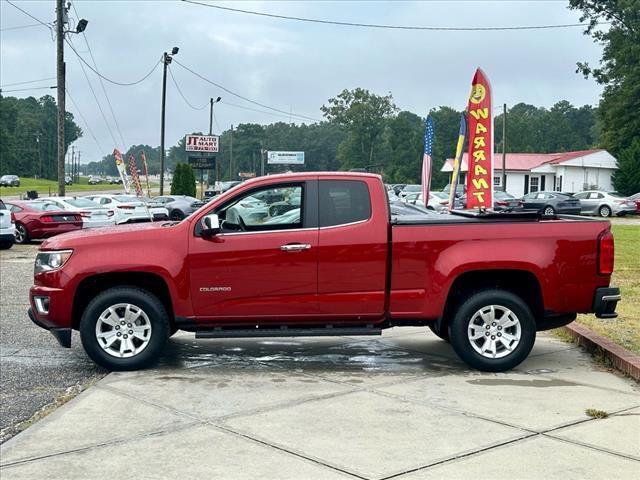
(493,330)
(124,328)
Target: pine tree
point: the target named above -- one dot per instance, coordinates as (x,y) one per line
(626,179)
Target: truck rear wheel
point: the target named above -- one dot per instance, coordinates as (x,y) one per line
(493,330)
(124,328)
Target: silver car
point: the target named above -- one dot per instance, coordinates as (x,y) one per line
(179,206)
(604,204)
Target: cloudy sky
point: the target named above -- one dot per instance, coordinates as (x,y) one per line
(292,66)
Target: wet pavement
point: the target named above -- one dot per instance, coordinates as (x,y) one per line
(34,370)
(401,405)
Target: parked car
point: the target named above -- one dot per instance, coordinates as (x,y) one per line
(129,209)
(438,201)
(114,180)
(93,215)
(9,181)
(342,267)
(635,198)
(68,180)
(504,201)
(94,180)
(409,189)
(37,219)
(7,227)
(604,204)
(397,188)
(461,189)
(179,206)
(551,203)
(402,208)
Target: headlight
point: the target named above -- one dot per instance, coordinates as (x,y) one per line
(47,261)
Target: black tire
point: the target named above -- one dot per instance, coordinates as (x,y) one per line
(22,234)
(442,334)
(604,211)
(465,314)
(6,245)
(549,211)
(176,215)
(146,301)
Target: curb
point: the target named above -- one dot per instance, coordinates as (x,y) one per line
(621,358)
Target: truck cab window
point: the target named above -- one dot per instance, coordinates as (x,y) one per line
(273,208)
(343,201)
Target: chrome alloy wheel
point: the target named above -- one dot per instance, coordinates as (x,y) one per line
(494,331)
(20,233)
(123,330)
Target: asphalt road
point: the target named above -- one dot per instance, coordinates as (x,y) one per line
(34,369)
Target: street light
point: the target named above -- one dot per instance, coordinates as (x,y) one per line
(166,60)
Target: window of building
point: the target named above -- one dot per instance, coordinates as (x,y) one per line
(343,201)
(497,181)
(534,184)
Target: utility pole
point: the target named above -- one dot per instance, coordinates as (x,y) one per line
(77,172)
(39,157)
(61,15)
(211,103)
(231,156)
(166,60)
(504,147)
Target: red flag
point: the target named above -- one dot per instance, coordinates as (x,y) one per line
(133,171)
(480,159)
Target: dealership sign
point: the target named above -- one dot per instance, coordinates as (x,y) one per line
(201,143)
(285,158)
(202,163)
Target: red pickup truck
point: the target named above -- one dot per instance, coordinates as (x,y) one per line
(321,254)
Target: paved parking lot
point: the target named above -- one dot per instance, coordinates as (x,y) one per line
(34,371)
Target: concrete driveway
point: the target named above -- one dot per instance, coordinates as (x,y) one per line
(400,406)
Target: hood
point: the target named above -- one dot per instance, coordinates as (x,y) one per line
(138,232)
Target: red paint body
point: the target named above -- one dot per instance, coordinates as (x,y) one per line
(42,224)
(368,272)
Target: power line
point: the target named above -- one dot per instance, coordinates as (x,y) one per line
(28,81)
(255,109)
(386,26)
(26,89)
(29,15)
(95,97)
(122,84)
(243,97)
(104,90)
(182,95)
(5,29)
(84,120)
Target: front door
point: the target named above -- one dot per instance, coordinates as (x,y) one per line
(264,263)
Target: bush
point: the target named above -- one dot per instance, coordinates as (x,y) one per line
(184,180)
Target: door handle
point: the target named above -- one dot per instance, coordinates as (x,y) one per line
(295,247)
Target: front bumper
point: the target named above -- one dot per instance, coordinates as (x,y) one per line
(63,335)
(605,301)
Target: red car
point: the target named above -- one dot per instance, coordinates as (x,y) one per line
(336,263)
(34,220)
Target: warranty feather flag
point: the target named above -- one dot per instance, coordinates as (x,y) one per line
(133,171)
(480,159)
(426,159)
(456,163)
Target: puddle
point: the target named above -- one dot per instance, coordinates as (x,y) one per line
(505,382)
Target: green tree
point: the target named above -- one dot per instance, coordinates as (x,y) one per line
(184,180)
(365,116)
(406,133)
(627,179)
(619,68)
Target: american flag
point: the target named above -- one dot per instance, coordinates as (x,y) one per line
(426,159)
(133,170)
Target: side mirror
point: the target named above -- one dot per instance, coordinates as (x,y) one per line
(210,225)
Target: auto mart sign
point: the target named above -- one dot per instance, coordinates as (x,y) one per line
(201,143)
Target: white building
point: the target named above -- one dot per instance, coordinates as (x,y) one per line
(563,172)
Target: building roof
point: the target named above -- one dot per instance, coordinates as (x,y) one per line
(524,161)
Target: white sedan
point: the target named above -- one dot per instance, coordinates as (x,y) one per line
(438,201)
(129,208)
(93,215)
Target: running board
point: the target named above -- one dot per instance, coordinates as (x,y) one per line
(288,332)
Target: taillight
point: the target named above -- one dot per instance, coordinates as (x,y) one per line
(85,214)
(46,219)
(126,207)
(110,213)
(13,218)
(444,202)
(502,203)
(605,253)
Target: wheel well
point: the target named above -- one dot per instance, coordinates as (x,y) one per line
(90,287)
(519,282)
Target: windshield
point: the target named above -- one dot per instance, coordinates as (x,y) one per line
(81,202)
